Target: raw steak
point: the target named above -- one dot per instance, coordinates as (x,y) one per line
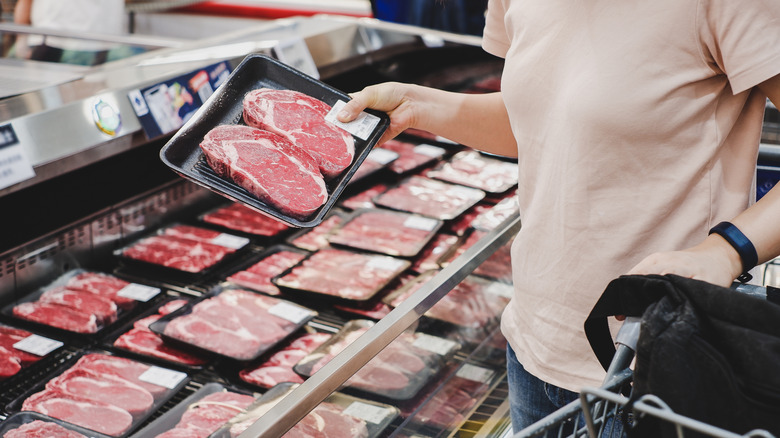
(429,257)
(177,253)
(103,308)
(364,199)
(258,276)
(98,416)
(279,367)
(324,421)
(10,336)
(430,198)
(42,429)
(144,341)
(345,274)
(241,218)
(57,315)
(171,306)
(386,232)
(317,237)
(301,119)
(118,366)
(490,219)
(268,166)
(472,169)
(102,284)
(206,415)
(9,363)
(411,156)
(103,388)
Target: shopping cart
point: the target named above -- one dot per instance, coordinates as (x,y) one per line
(600,412)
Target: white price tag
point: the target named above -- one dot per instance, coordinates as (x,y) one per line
(429,150)
(290,312)
(433,344)
(163,377)
(501,289)
(38,345)
(475,373)
(366,412)
(361,127)
(420,223)
(138,292)
(382,156)
(465,192)
(295,53)
(385,263)
(14,166)
(230,241)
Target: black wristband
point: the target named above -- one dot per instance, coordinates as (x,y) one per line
(743,245)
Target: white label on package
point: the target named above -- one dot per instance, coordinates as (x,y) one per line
(162,377)
(230,241)
(290,312)
(475,373)
(381,156)
(429,150)
(14,166)
(420,223)
(434,344)
(138,292)
(385,263)
(366,412)
(500,289)
(361,127)
(38,345)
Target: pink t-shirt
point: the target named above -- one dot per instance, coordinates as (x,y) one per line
(637,125)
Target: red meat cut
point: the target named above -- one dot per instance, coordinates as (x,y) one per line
(430,198)
(206,415)
(258,276)
(325,421)
(279,367)
(104,285)
(317,237)
(57,315)
(98,416)
(241,218)
(119,366)
(301,119)
(268,166)
(103,388)
(9,363)
(144,341)
(42,429)
(387,232)
(103,308)
(177,253)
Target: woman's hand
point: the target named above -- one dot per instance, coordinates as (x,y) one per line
(396,99)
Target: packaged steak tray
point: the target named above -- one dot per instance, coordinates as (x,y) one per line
(473,169)
(238,218)
(491,218)
(339,415)
(181,251)
(434,251)
(364,199)
(232,323)
(396,374)
(267,111)
(102,392)
(341,274)
(430,197)
(258,272)
(201,413)
(81,304)
(312,239)
(411,156)
(387,232)
(21,349)
(376,161)
(33,424)
(135,339)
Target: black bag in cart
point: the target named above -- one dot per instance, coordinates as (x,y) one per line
(710,353)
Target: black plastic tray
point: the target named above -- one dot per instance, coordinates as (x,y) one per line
(182,152)
(21,418)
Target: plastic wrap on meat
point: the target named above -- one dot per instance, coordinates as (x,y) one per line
(326,420)
(42,429)
(105,285)
(430,198)
(106,388)
(436,249)
(365,198)
(241,218)
(472,169)
(492,218)
(57,315)
(127,369)
(317,237)
(410,155)
(345,274)
(208,414)
(94,415)
(279,367)
(301,119)
(258,276)
(104,309)
(386,232)
(177,253)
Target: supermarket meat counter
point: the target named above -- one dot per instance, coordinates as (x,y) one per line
(136,303)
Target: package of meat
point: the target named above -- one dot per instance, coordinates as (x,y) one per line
(387,232)
(289,104)
(33,424)
(341,274)
(238,218)
(493,217)
(278,367)
(182,251)
(81,304)
(437,249)
(395,374)
(258,272)
(430,197)
(473,169)
(497,267)
(232,323)
(201,413)
(312,239)
(411,156)
(20,349)
(376,161)
(102,392)
(339,415)
(364,199)
(137,340)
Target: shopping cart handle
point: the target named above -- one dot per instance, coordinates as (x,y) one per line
(629,332)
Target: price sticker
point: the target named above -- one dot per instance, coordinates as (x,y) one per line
(14,166)
(382,156)
(420,223)
(230,241)
(366,412)
(38,345)
(429,150)
(475,373)
(386,263)
(139,292)
(501,289)
(361,127)
(163,377)
(290,312)
(434,345)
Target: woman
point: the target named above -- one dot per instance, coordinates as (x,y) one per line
(636,126)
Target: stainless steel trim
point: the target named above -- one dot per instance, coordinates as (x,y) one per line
(129,40)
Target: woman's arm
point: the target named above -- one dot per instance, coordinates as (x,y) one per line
(22,12)
(476,120)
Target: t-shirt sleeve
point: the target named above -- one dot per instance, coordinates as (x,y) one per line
(494,38)
(741,39)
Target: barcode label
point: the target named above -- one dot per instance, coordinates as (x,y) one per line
(475,373)
(381,156)
(420,223)
(230,241)
(290,312)
(385,263)
(138,292)
(38,345)
(366,412)
(162,377)
(429,150)
(434,345)
(361,127)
